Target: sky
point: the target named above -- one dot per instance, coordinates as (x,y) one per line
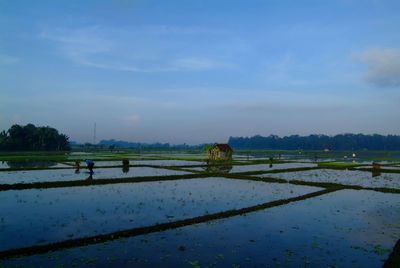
(200,71)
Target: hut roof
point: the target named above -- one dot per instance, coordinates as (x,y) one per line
(224,147)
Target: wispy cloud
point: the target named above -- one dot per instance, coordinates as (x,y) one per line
(257,107)
(142,49)
(131,119)
(198,64)
(5,60)
(283,71)
(383,66)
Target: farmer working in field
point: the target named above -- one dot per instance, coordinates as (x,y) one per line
(90,165)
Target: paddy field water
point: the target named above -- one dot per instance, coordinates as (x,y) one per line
(182,213)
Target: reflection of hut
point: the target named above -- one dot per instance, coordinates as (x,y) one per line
(218,168)
(376,172)
(219,152)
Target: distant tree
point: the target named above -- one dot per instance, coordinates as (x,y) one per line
(318,142)
(33,138)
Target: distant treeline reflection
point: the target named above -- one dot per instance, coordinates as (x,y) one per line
(31,164)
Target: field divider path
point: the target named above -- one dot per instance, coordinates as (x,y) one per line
(84,241)
(394,258)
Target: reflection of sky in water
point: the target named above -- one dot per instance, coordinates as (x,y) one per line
(62,213)
(266,167)
(29,176)
(347,177)
(391,167)
(166,162)
(99,163)
(333,229)
(30,164)
(3,164)
(262,167)
(146,162)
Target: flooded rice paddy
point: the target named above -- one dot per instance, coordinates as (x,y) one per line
(61,213)
(146,162)
(168,162)
(31,176)
(30,164)
(257,167)
(253,215)
(347,177)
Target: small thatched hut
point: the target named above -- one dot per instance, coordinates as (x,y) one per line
(219,152)
(376,165)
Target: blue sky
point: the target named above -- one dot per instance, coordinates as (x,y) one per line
(200,71)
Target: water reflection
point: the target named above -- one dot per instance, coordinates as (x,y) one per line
(31,164)
(77,167)
(125,166)
(219,168)
(376,173)
(125,169)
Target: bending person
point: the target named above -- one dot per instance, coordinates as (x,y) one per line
(90,165)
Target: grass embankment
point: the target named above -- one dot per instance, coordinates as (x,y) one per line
(394,258)
(339,164)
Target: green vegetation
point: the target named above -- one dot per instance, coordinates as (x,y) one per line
(338,164)
(32,138)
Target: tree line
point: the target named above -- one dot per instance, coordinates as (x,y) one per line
(32,138)
(157,145)
(319,142)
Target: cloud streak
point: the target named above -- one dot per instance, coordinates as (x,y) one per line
(141,49)
(383,66)
(131,119)
(5,60)
(260,107)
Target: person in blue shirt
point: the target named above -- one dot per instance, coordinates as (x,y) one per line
(90,165)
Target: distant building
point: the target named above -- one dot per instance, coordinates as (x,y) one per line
(219,152)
